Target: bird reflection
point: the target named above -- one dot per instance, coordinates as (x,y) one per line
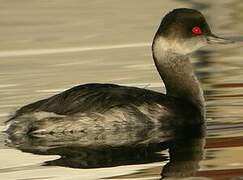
(185,144)
(185,153)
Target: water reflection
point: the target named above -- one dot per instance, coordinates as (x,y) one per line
(185,144)
(186,151)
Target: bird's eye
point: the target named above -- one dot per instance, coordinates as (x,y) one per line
(196,30)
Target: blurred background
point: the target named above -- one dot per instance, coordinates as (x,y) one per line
(47,46)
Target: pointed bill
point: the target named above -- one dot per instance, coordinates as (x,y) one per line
(213,39)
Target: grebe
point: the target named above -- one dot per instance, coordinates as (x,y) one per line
(91,108)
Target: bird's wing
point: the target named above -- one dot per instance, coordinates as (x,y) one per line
(93,98)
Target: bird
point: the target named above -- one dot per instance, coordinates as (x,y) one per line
(96,107)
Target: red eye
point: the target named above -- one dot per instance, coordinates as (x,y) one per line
(196,30)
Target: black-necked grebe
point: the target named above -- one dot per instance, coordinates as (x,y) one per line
(110,108)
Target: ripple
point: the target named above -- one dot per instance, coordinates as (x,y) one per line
(8,85)
(30,52)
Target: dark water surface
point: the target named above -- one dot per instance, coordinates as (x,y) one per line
(48,46)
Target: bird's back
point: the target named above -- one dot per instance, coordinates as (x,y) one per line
(94,98)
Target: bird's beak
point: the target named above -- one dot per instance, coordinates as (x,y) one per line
(213,39)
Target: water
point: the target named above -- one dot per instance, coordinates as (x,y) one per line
(48,46)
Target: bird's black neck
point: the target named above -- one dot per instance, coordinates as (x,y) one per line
(177,74)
